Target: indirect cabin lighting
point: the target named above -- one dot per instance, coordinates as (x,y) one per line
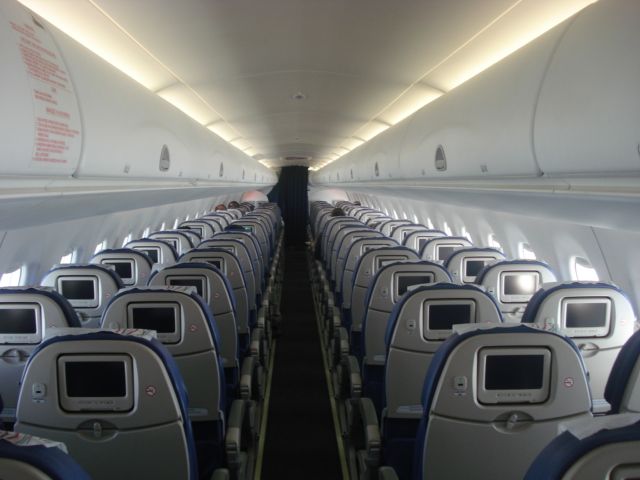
(69,258)
(447,229)
(582,270)
(13,279)
(176,222)
(526,252)
(163,226)
(517,25)
(430,224)
(146,232)
(494,243)
(464,233)
(96,30)
(415,218)
(186,219)
(100,246)
(127,239)
(514,28)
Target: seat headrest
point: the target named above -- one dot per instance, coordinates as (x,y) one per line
(513,282)
(215,286)
(598,311)
(87,287)
(47,456)
(132,266)
(183,320)
(542,374)
(56,310)
(466,263)
(623,387)
(159,251)
(426,314)
(441,248)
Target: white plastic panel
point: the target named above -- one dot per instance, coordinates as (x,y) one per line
(484,126)
(123,126)
(40,125)
(589,109)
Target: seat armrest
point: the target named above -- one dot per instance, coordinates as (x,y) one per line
(233,437)
(354,376)
(255,346)
(387,473)
(340,345)
(221,474)
(233,443)
(246,378)
(371,430)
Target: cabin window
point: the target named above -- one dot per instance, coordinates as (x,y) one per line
(146,232)
(127,239)
(464,233)
(69,257)
(582,270)
(101,246)
(493,242)
(165,159)
(13,279)
(447,229)
(441,159)
(526,252)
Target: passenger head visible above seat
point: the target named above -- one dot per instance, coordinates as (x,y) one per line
(493,398)
(598,316)
(513,283)
(132,266)
(465,264)
(25,315)
(158,251)
(88,288)
(118,403)
(439,249)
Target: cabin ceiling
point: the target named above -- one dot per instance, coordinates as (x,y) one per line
(308,79)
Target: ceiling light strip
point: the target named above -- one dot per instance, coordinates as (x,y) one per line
(169,70)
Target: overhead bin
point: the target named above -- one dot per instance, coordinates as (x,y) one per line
(566,103)
(68,112)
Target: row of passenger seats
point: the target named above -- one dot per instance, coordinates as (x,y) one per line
(187,311)
(392,294)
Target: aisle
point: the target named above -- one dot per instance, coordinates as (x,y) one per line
(300,440)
